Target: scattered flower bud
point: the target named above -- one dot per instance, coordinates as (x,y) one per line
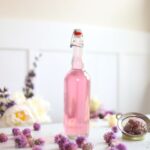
(58,137)
(27,132)
(108,137)
(21,141)
(62,142)
(70,146)
(16,131)
(114,129)
(3,138)
(121,147)
(80,141)
(36,126)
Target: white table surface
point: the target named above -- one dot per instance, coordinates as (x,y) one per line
(97,130)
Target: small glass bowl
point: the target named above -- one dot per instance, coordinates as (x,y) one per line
(134,126)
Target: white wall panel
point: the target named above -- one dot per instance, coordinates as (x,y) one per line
(13,67)
(103,71)
(134,83)
(51,71)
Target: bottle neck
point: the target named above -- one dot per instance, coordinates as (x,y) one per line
(77,62)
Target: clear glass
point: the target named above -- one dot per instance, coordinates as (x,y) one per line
(77,95)
(77,98)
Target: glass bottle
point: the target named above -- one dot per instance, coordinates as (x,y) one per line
(77,92)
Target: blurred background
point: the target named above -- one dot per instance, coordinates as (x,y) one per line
(116,52)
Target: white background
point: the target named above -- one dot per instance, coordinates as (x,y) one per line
(118,62)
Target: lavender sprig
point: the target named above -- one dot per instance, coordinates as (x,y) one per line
(4,93)
(5,101)
(28,90)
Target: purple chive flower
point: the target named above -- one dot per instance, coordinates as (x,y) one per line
(63,142)
(27,132)
(121,147)
(80,141)
(37,147)
(39,141)
(57,138)
(108,137)
(70,146)
(114,129)
(87,146)
(3,138)
(36,126)
(21,141)
(16,131)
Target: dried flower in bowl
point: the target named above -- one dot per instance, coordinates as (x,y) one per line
(133,126)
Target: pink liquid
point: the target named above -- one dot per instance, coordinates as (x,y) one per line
(77,95)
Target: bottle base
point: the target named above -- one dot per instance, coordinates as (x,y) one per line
(75,136)
(73,132)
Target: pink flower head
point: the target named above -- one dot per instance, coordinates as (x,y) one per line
(121,147)
(3,138)
(80,141)
(21,141)
(36,126)
(70,146)
(16,131)
(109,136)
